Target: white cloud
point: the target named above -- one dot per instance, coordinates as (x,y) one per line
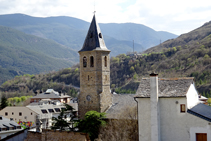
(173,16)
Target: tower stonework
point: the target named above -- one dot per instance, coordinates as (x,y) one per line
(94,73)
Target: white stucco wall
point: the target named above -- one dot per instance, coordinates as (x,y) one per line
(144,119)
(192,97)
(174,125)
(13,112)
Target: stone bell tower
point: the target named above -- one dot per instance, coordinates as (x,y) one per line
(94,73)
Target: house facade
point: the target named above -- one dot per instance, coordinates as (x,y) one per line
(19,114)
(170,110)
(35,114)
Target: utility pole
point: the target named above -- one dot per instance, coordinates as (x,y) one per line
(160,42)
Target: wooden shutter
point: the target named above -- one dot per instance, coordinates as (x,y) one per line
(201,136)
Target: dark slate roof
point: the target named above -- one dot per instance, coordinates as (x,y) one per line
(121,103)
(167,87)
(94,39)
(201,110)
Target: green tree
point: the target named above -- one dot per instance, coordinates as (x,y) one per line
(60,123)
(91,123)
(4,102)
(23,98)
(11,101)
(132,69)
(135,76)
(206,56)
(209,101)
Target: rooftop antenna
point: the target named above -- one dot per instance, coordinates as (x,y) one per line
(133,46)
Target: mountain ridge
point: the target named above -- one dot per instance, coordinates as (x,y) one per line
(71,31)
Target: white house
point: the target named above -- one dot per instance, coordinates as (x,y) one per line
(169,110)
(36,114)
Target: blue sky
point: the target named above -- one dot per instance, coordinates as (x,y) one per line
(177,17)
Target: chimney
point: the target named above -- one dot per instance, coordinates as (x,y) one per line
(154,101)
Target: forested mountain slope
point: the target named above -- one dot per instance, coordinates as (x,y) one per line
(186,56)
(21,53)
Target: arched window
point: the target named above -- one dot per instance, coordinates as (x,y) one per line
(105,60)
(84,62)
(91,61)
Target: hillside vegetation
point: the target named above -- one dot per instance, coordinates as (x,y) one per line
(21,53)
(126,71)
(184,58)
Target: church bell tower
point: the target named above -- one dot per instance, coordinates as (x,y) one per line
(94,73)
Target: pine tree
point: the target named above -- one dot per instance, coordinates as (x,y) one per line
(4,102)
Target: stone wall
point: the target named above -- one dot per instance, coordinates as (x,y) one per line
(94,83)
(33,136)
(51,135)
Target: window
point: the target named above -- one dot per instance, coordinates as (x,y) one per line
(88,77)
(51,110)
(6,114)
(11,119)
(105,60)
(84,62)
(100,35)
(44,111)
(182,108)
(12,113)
(0,118)
(57,110)
(31,113)
(20,113)
(91,61)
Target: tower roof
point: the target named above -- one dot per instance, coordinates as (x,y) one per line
(94,38)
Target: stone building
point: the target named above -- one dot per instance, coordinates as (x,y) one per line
(169,109)
(94,73)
